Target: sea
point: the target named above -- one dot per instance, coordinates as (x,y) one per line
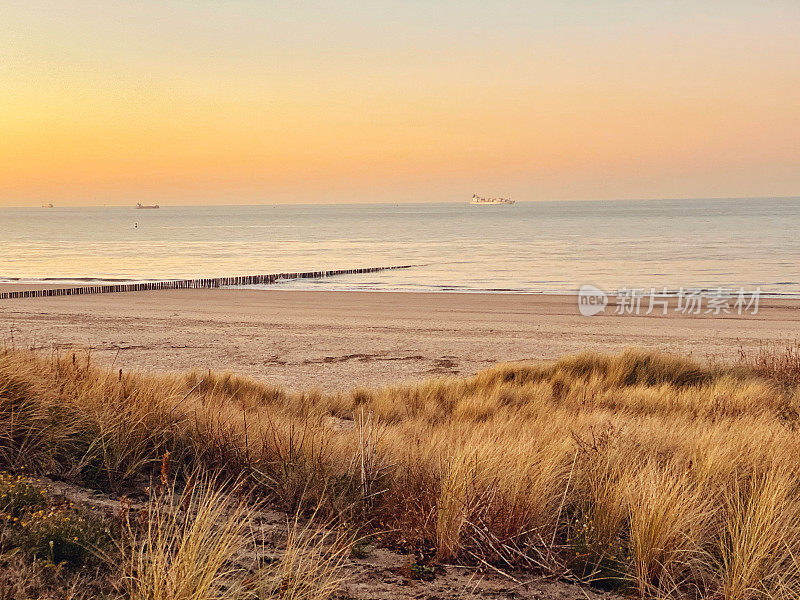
(530,247)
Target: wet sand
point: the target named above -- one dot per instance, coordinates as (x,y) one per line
(338,340)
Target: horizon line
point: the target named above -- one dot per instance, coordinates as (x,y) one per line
(379,202)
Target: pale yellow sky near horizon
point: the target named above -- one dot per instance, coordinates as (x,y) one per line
(234,103)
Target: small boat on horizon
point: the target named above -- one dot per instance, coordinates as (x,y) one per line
(48,205)
(139,205)
(493,201)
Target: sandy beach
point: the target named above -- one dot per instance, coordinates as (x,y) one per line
(339,340)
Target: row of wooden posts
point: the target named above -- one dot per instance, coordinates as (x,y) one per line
(179,284)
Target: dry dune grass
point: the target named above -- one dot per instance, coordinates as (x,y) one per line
(200,544)
(640,471)
(185,547)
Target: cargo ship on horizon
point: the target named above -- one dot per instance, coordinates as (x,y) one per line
(494,201)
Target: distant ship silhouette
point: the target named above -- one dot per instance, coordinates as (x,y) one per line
(481,200)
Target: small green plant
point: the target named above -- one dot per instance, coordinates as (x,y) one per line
(18,496)
(361,548)
(61,535)
(422,572)
(58,533)
(602,562)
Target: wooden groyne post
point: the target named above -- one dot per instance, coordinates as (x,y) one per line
(192,284)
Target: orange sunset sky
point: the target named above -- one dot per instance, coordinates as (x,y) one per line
(242,102)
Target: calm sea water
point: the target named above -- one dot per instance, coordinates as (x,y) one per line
(529,247)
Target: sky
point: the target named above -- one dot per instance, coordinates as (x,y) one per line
(241,102)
